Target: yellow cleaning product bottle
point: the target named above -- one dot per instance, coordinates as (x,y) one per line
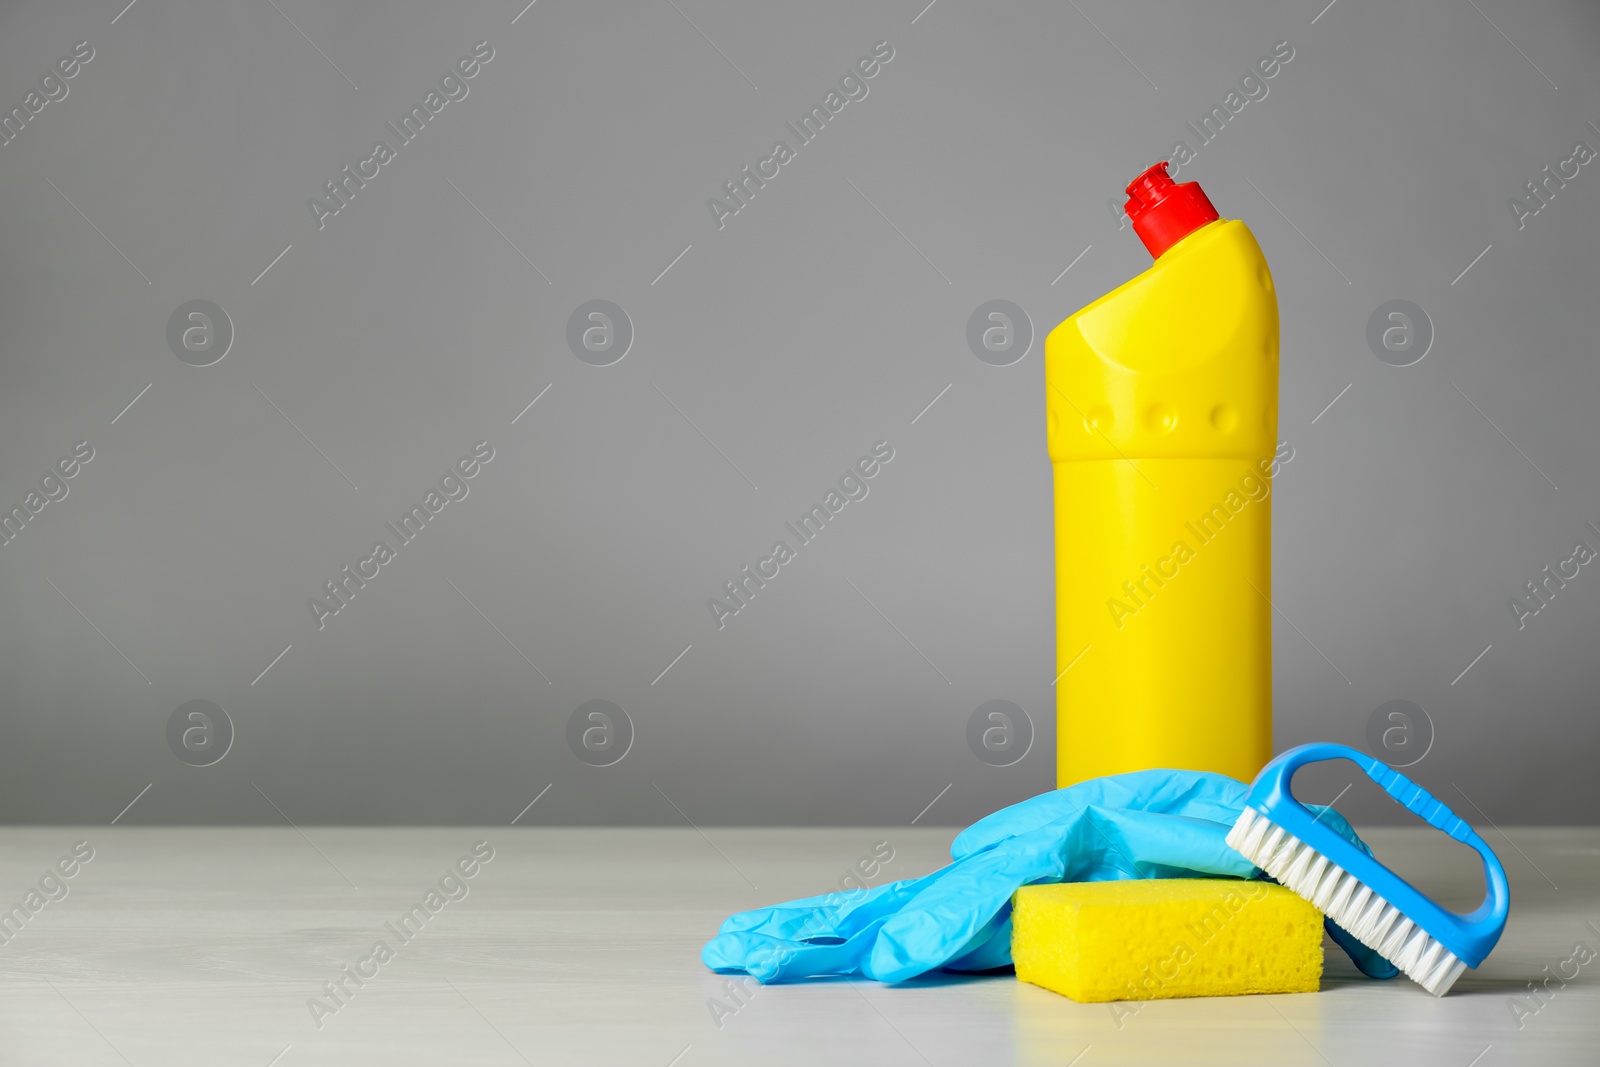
(1163,417)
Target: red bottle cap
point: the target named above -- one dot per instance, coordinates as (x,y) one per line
(1163,212)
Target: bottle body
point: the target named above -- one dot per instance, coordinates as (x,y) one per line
(1162,404)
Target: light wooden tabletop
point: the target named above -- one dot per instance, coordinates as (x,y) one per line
(579,946)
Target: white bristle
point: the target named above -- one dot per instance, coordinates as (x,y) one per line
(1396,927)
(1299,866)
(1346,900)
(1275,836)
(1332,879)
(1375,919)
(1430,958)
(1411,952)
(1342,892)
(1358,902)
(1254,834)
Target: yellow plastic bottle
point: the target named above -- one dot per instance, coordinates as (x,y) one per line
(1163,419)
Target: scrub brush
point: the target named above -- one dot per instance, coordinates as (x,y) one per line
(1376,906)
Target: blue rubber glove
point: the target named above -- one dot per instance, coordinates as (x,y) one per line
(1149,824)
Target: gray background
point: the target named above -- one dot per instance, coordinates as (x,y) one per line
(822,318)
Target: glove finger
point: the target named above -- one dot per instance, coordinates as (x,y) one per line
(1140,844)
(826,909)
(839,914)
(1366,960)
(948,917)
(772,959)
(804,938)
(760,955)
(893,958)
(992,950)
(1208,796)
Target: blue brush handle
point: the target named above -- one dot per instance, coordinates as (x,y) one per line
(1470,936)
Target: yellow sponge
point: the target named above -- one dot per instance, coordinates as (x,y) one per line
(1165,937)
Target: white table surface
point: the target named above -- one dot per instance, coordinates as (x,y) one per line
(577,946)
